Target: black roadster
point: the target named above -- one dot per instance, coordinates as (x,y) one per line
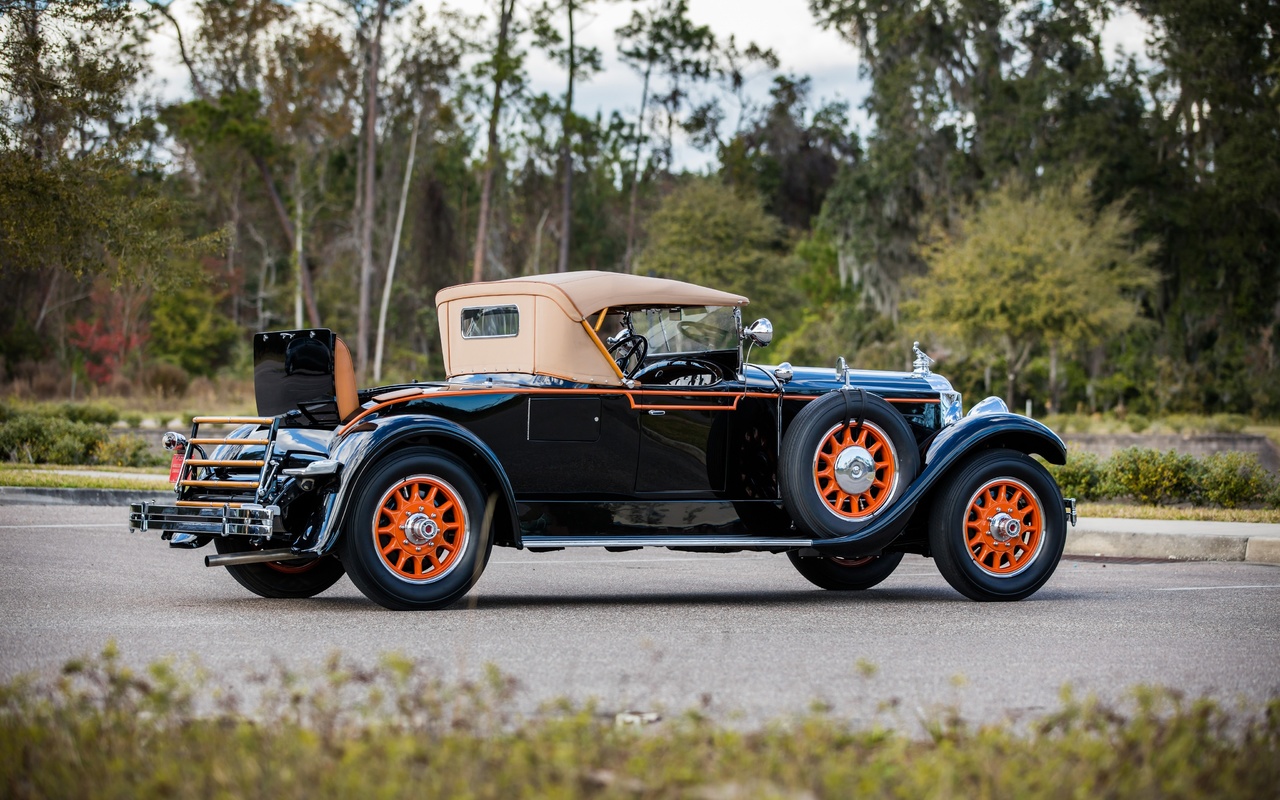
(592,409)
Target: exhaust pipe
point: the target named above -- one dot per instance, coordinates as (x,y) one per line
(255,557)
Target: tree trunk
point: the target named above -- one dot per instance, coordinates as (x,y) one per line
(1053,378)
(566,154)
(491,158)
(629,257)
(370,181)
(298,260)
(395,251)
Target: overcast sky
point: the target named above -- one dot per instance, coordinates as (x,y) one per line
(786,26)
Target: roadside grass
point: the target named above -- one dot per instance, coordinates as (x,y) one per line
(100,729)
(1194,513)
(45,476)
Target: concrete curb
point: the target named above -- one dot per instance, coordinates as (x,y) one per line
(1175,540)
(27,496)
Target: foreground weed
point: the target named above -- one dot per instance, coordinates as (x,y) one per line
(399,730)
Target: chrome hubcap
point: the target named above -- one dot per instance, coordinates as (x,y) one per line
(855,470)
(1004,527)
(419,529)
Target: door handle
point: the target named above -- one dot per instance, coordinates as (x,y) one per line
(655,413)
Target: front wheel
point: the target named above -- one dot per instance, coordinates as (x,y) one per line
(999,527)
(846,574)
(277,579)
(415,536)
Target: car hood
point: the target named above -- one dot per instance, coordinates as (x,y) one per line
(820,380)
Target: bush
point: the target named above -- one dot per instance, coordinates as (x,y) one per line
(1234,479)
(126,451)
(37,439)
(1081,477)
(169,380)
(133,419)
(1152,477)
(93,413)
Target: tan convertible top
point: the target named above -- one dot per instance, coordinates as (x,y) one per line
(547,322)
(581,294)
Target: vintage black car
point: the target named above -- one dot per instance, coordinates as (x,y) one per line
(593,409)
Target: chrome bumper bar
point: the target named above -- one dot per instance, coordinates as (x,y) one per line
(1070,503)
(220,520)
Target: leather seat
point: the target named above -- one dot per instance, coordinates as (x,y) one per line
(344,381)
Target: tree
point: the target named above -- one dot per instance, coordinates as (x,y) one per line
(660,39)
(1031,268)
(706,232)
(579,63)
(505,70)
(77,197)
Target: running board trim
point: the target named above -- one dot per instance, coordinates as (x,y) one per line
(667,541)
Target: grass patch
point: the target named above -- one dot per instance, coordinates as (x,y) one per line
(100,729)
(71,477)
(1199,514)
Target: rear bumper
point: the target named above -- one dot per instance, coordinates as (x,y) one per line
(207,520)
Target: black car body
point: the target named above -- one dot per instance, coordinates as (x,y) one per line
(597,409)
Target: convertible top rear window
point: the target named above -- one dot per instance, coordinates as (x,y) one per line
(490,322)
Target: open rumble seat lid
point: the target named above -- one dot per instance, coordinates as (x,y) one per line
(542,323)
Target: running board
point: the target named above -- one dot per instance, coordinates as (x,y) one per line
(746,542)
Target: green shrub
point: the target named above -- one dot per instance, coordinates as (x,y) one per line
(38,439)
(133,419)
(1151,477)
(1080,477)
(93,413)
(101,729)
(126,451)
(1234,479)
(1226,423)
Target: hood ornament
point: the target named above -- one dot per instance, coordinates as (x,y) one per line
(922,363)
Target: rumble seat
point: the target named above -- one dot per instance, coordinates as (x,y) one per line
(344,381)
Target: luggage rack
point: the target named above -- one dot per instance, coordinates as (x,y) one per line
(189,471)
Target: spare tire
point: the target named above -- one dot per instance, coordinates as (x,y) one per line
(835,475)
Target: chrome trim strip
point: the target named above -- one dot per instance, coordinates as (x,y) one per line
(666,541)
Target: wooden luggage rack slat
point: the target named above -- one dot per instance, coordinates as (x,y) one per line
(188,474)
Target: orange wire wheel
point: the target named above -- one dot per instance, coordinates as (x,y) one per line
(420,529)
(1004,527)
(855,475)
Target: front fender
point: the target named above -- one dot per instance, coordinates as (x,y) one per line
(956,441)
(1000,429)
(365,444)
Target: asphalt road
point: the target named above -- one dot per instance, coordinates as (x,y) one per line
(741,635)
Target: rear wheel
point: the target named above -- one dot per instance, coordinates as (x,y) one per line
(289,579)
(415,538)
(846,574)
(999,527)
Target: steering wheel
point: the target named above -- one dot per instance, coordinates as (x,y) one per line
(700,332)
(629,352)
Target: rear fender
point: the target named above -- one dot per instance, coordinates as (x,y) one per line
(366,444)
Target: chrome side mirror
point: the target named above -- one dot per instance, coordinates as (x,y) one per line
(759,333)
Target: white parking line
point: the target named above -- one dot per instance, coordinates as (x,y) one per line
(1211,588)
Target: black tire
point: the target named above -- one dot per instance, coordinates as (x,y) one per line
(817,436)
(966,529)
(845,574)
(277,579)
(434,570)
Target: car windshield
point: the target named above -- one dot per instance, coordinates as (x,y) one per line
(689,329)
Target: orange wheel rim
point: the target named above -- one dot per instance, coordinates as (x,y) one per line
(863,495)
(420,529)
(1004,527)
